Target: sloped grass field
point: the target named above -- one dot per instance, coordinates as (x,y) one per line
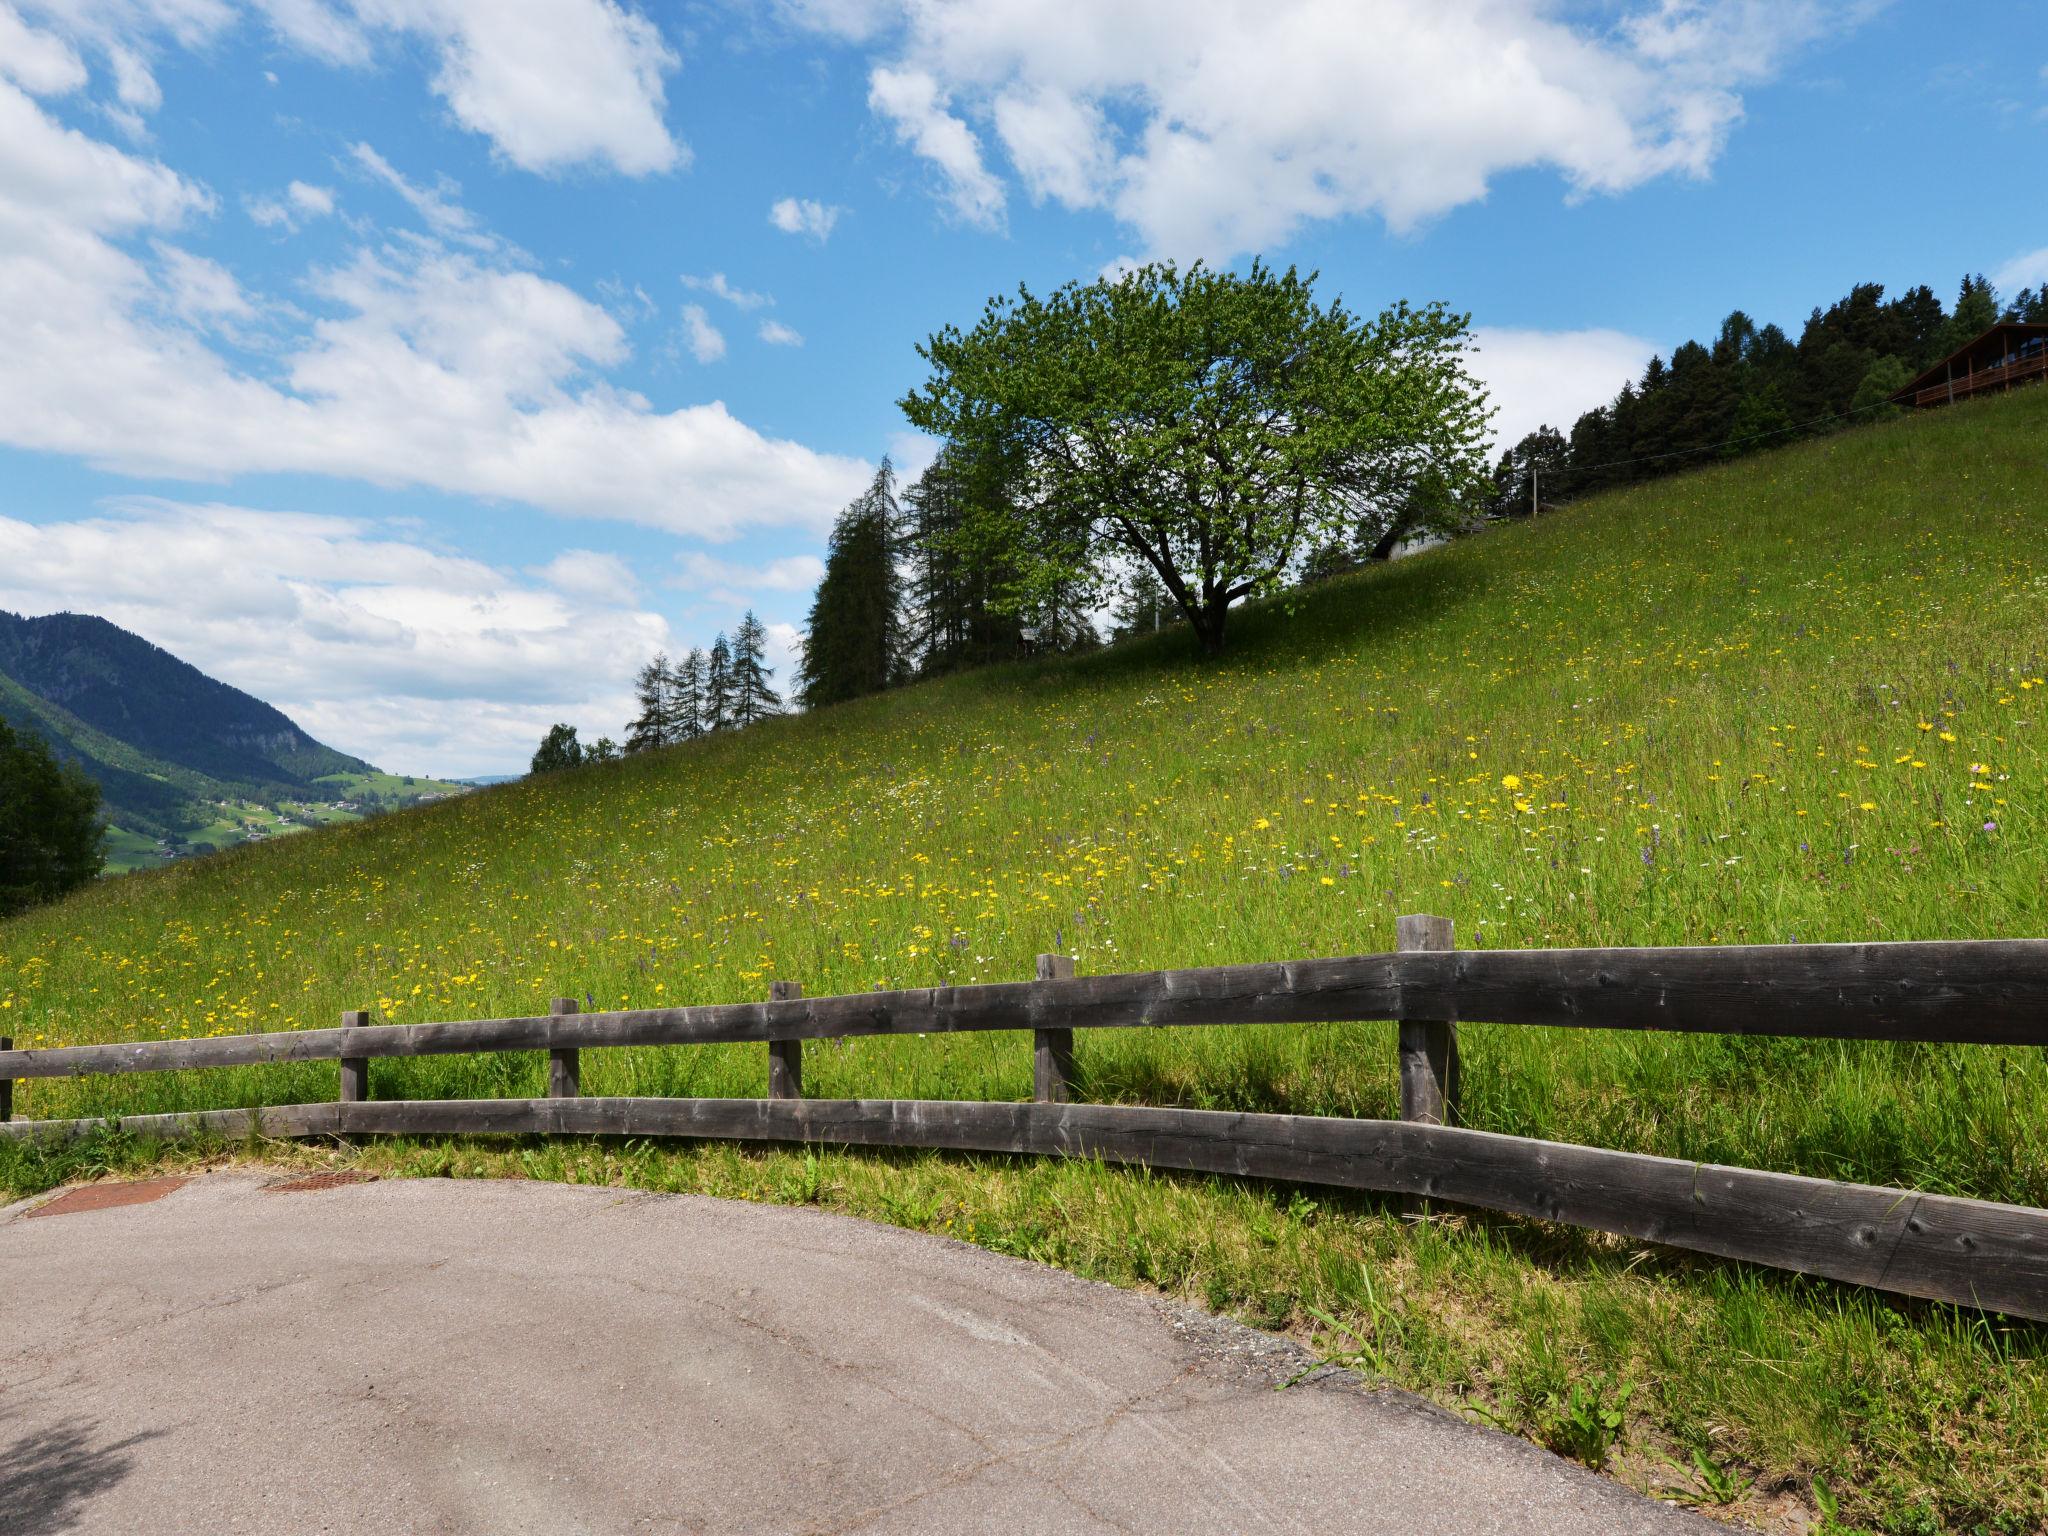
(1799,697)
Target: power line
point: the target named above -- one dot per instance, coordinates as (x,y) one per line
(1753,437)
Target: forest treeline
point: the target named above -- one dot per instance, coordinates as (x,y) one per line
(1752,388)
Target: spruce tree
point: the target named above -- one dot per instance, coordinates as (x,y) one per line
(653,687)
(718,686)
(752,696)
(854,642)
(686,696)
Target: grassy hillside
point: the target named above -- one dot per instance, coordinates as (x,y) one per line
(1799,697)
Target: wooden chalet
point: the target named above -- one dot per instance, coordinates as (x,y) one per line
(2011,352)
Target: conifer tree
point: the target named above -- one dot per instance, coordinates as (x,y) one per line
(752,696)
(717,710)
(654,688)
(686,696)
(854,642)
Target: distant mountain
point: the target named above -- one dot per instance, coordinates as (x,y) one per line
(120,685)
(186,762)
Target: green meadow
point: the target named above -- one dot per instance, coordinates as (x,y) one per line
(1798,697)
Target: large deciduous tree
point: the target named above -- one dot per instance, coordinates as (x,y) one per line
(1209,425)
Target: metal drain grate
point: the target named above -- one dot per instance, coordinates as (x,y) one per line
(100,1197)
(313,1181)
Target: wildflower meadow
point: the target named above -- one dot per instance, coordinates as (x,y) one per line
(1798,698)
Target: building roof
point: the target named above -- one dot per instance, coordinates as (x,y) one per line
(2011,334)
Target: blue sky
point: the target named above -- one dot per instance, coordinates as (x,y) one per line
(424,365)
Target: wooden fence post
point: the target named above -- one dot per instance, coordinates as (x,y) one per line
(355,1070)
(785,1057)
(1052,1063)
(6,1085)
(565,1063)
(1429,1047)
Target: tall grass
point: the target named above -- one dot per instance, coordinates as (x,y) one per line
(1797,697)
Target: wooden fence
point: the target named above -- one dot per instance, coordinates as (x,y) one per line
(1941,1247)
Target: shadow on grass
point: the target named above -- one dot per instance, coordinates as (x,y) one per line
(50,1474)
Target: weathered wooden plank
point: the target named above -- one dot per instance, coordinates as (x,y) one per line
(355,1070)
(1052,1050)
(1964,991)
(1358,987)
(785,1057)
(1940,1247)
(1429,1047)
(284,1121)
(565,1062)
(1986,991)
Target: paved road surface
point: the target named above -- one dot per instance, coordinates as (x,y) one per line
(492,1357)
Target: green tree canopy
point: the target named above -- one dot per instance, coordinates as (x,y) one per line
(558,749)
(51,837)
(1211,425)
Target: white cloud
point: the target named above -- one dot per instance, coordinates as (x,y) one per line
(1212,127)
(1539,378)
(427,367)
(37,61)
(439,207)
(735,585)
(592,574)
(199,290)
(914,104)
(718,287)
(705,341)
(421,661)
(776,334)
(302,201)
(805,216)
(911,453)
(2029,270)
(553,84)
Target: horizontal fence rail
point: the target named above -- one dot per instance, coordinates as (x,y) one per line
(1943,1248)
(1940,1247)
(1960,992)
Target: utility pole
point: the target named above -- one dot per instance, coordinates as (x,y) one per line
(1535,495)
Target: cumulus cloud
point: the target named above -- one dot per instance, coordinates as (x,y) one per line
(421,661)
(426,366)
(37,61)
(719,288)
(1539,378)
(1213,127)
(553,84)
(804,216)
(776,334)
(590,573)
(919,110)
(705,341)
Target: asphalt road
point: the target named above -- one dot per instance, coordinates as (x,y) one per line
(493,1357)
